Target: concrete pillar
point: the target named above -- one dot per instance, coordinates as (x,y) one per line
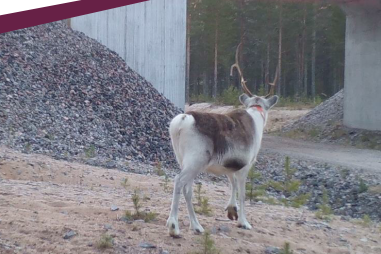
(362,88)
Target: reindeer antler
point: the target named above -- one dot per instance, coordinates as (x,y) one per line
(273,84)
(236,65)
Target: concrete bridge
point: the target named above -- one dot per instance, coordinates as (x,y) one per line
(362,82)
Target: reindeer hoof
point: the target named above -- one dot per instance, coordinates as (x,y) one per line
(232,212)
(173,228)
(246,226)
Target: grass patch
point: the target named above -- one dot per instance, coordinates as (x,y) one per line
(286,249)
(199,193)
(229,97)
(363,187)
(325,211)
(90,152)
(301,103)
(159,169)
(253,191)
(365,221)
(339,134)
(289,187)
(125,183)
(165,184)
(208,245)
(105,242)
(138,214)
(201,98)
(204,207)
(313,133)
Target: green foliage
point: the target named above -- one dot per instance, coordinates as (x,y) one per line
(208,245)
(204,207)
(300,200)
(125,183)
(286,249)
(201,98)
(301,103)
(262,91)
(363,187)
(344,173)
(313,133)
(165,184)
(136,201)
(259,20)
(324,212)
(90,152)
(138,215)
(366,221)
(159,169)
(199,193)
(28,147)
(253,191)
(105,242)
(289,187)
(230,97)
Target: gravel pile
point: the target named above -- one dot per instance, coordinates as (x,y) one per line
(67,96)
(322,116)
(352,193)
(325,123)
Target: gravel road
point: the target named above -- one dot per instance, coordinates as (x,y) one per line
(327,153)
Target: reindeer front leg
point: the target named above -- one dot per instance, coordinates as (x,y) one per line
(241,181)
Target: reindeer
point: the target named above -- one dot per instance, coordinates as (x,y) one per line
(222,144)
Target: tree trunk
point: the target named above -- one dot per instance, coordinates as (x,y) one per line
(284,85)
(242,32)
(313,57)
(214,94)
(278,86)
(297,83)
(205,84)
(267,76)
(263,72)
(303,55)
(305,92)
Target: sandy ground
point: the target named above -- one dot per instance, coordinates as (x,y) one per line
(41,199)
(278,116)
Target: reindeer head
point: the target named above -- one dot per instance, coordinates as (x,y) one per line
(255,100)
(248,99)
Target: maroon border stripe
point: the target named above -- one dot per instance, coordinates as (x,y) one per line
(19,20)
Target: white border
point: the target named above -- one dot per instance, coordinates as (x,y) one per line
(12,6)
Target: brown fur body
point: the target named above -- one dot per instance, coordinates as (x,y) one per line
(226,131)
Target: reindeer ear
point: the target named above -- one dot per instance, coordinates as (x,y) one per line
(242,98)
(272,101)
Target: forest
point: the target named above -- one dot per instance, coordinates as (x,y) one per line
(301,43)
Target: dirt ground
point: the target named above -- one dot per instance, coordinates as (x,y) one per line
(41,199)
(278,116)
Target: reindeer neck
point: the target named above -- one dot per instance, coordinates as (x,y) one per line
(261,111)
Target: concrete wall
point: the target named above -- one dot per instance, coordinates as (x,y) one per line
(362,89)
(150,36)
